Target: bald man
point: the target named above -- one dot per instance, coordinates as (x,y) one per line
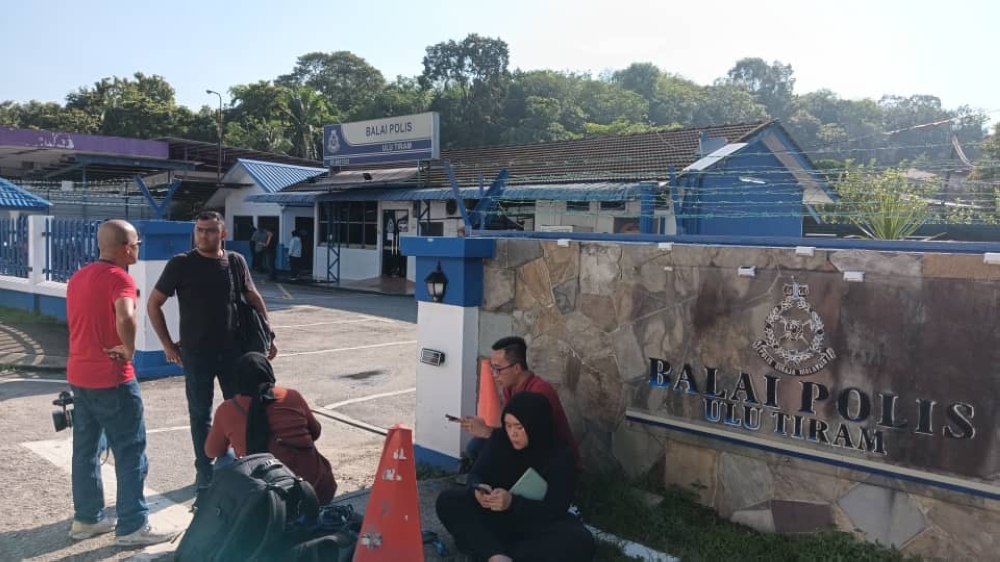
(100,311)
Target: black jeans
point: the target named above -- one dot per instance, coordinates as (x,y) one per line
(482,533)
(201,367)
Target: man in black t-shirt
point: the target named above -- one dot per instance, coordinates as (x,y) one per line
(202,281)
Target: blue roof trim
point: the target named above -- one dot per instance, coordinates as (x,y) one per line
(568,192)
(272,177)
(14,197)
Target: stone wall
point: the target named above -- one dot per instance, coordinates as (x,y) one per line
(788,398)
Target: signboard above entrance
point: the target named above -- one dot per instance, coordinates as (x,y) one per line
(379,141)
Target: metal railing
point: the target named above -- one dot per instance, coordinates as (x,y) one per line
(70,244)
(14,247)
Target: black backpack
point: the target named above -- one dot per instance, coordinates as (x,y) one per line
(253,511)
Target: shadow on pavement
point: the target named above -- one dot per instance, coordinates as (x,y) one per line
(22,384)
(47,541)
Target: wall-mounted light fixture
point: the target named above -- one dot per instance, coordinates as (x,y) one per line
(436,283)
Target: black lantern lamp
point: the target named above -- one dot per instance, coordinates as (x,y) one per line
(436,283)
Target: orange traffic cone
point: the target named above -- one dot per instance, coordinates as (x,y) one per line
(391,528)
(489,398)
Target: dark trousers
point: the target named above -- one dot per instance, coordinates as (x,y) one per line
(117,413)
(482,533)
(201,367)
(269,256)
(295,264)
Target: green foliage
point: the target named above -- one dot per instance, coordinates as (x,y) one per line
(694,533)
(883,204)
(346,81)
(16,316)
(482,102)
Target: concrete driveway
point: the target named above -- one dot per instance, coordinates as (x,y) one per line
(352,355)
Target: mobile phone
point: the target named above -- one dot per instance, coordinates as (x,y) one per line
(452,418)
(484,488)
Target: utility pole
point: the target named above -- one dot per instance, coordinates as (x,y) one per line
(218,167)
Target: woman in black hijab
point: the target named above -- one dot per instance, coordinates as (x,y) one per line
(264,418)
(489,522)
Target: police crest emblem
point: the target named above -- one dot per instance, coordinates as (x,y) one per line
(333,142)
(793,339)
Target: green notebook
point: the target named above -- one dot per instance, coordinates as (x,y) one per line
(530,486)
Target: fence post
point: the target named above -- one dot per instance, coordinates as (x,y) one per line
(37,242)
(161,240)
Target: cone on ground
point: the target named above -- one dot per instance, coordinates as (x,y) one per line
(489,398)
(391,528)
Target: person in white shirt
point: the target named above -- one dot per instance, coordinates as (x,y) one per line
(295,255)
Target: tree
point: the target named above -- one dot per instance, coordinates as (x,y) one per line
(725,103)
(470,78)
(603,103)
(306,111)
(772,85)
(141,107)
(10,114)
(346,80)
(673,100)
(402,97)
(884,205)
(984,181)
(260,100)
(541,106)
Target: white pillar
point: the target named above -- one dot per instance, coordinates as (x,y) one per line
(449,388)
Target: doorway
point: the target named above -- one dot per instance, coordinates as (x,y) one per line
(394,223)
(304,226)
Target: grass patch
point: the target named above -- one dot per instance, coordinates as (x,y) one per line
(610,553)
(683,528)
(17,316)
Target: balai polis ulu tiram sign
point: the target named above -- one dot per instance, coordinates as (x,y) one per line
(395,139)
(785,403)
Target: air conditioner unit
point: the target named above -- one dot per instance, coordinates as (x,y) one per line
(66,185)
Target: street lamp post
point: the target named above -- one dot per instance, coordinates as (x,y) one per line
(218,168)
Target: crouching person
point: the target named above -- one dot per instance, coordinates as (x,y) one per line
(264,418)
(489,523)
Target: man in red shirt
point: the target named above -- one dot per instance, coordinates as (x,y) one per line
(100,311)
(509,364)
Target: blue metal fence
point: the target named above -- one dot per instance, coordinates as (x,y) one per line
(14,247)
(72,243)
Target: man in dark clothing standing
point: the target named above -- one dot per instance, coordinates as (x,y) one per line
(203,281)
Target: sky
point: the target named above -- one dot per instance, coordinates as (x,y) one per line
(856,48)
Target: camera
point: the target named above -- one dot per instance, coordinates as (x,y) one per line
(61,419)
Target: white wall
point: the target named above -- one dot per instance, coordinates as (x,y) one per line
(287,218)
(236,204)
(355,263)
(553,213)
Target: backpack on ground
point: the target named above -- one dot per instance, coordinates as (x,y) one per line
(250,513)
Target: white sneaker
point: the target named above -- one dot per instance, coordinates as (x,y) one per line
(144,536)
(79,531)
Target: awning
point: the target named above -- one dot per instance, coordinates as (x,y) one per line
(605,191)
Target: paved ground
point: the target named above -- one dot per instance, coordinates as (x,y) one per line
(350,353)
